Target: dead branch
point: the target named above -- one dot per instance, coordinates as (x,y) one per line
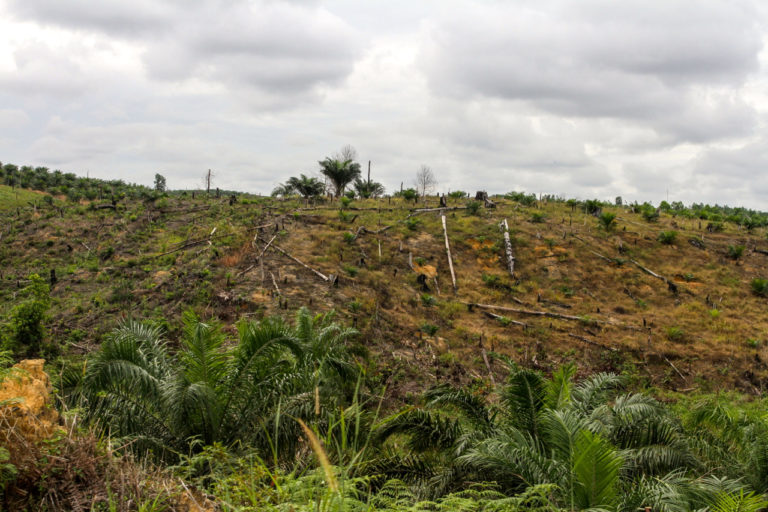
(289,255)
(590,342)
(505,319)
(274,282)
(529,312)
(672,286)
(676,370)
(443,209)
(265,248)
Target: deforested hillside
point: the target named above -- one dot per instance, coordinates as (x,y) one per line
(673,297)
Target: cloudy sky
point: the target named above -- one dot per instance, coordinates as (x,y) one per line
(587,98)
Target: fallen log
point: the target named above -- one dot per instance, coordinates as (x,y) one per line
(295,259)
(672,286)
(508,247)
(362,230)
(505,319)
(529,312)
(274,282)
(265,248)
(590,342)
(448,251)
(426,210)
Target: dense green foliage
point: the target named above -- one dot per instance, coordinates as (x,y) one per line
(340,173)
(25,332)
(366,189)
(209,392)
(232,418)
(68,184)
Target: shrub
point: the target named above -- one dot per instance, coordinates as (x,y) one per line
(675,333)
(26,321)
(607,220)
(492,281)
(715,227)
(473,207)
(409,194)
(538,217)
(107,253)
(345,201)
(649,213)
(427,300)
(522,198)
(428,329)
(667,237)
(457,194)
(348,237)
(351,270)
(412,223)
(592,206)
(759,286)
(735,251)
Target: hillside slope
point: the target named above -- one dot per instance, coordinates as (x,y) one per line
(583,291)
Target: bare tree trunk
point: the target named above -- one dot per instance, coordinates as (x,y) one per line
(508,247)
(448,251)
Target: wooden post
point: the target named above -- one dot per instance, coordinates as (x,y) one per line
(448,251)
(508,247)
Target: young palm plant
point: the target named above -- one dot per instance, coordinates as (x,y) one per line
(587,440)
(172,404)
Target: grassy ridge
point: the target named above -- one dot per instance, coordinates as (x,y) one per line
(696,324)
(15,197)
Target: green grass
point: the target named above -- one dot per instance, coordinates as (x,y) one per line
(13,197)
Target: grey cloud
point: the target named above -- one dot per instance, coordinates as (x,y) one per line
(42,70)
(277,49)
(629,60)
(111,16)
(280,49)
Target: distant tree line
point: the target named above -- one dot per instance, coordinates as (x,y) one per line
(715,215)
(68,184)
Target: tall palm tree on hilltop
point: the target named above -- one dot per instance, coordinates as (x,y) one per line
(340,172)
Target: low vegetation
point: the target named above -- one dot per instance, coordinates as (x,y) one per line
(178,331)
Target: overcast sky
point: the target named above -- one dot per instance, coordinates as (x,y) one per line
(638,98)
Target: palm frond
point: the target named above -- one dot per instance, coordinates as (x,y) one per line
(559,387)
(426,430)
(523,397)
(596,467)
(472,407)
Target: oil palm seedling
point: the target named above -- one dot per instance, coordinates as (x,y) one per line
(169,402)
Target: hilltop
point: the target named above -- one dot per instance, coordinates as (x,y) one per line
(672,300)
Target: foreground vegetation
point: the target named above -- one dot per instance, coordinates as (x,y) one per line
(282,418)
(589,377)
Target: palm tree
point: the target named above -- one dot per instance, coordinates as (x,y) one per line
(366,189)
(587,439)
(306,187)
(340,172)
(282,190)
(174,403)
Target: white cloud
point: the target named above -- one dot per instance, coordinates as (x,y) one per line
(590,99)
